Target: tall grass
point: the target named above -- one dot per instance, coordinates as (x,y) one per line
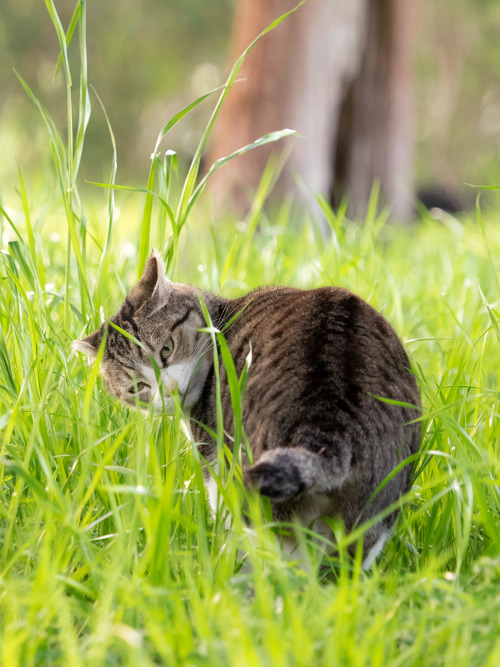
(108,553)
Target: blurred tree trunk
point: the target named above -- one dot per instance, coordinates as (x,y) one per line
(337,71)
(375,132)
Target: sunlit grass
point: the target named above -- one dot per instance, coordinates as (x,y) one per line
(108,553)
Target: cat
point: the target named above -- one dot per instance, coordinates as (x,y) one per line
(321,437)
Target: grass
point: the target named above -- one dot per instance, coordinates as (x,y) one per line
(108,554)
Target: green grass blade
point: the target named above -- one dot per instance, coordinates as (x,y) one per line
(69,33)
(84,109)
(262,141)
(144,246)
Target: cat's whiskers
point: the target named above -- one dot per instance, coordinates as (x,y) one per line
(201,348)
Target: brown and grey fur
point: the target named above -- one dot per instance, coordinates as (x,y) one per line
(321,438)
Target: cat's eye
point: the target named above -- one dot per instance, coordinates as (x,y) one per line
(137,387)
(167,349)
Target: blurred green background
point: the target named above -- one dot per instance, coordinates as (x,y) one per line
(147,59)
(457,96)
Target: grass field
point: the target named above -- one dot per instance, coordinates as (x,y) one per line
(109,555)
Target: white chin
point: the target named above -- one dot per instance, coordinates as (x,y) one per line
(166,406)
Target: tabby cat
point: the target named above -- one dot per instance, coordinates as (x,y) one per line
(322,440)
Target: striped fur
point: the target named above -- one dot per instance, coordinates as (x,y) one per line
(321,438)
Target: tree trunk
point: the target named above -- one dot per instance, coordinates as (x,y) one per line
(376,132)
(338,72)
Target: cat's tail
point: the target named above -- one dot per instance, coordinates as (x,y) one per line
(286,472)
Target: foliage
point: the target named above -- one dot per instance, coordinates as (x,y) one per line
(457,96)
(182,49)
(149,58)
(109,554)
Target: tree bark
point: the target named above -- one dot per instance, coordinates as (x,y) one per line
(337,71)
(376,131)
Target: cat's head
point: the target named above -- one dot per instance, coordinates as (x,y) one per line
(164,317)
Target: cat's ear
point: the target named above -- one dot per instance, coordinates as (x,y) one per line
(153,284)
(88,345)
